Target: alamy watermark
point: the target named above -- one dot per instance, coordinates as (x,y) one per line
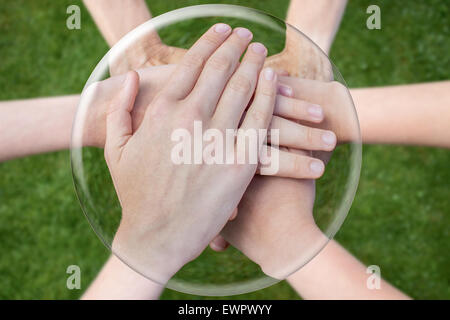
(74,280)
(73,22)
(374,280)
(234,147)
(374,20)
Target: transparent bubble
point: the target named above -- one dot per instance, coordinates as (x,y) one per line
(229,272)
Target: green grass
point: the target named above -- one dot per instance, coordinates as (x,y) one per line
(400,217)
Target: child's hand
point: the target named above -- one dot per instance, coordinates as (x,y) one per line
(335,101)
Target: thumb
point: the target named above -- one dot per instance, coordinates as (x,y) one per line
(119,127)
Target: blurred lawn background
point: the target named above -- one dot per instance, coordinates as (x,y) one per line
(399,220)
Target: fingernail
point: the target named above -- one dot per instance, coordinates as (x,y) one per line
(243,33)
(222,28)
(269,74)
(259,48)
(285,90)
(329,138)
(315,111)
(218,244)
(316,167)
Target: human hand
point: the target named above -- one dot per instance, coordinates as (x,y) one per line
(301,58)
(260,230)
(274,226)
(155,54)
(98,96)
(339,114)
(291,134)
(175,221)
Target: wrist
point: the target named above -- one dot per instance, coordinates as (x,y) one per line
(118,281)
(151,257)
(293,255)
(143,50)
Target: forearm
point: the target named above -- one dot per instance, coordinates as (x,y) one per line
(318,19)
(117,281)
(36,125)
(335,274)
(417,114)
(115,18)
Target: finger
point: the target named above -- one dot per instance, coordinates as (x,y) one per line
(257,118)
(118,119)
(219,244)
(289,164)
(218,70)
(240,88)
(185,76)
(288,133)
(304,89)
(259,114)
(297,109)
(233,215)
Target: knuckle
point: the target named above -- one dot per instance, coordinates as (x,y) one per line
(211,40)
(220,63)
(258,114)
(191,114)
(267,91)
(241,83)
(294,107)
(336,88)
(309,135)
(193,60)
(298,164)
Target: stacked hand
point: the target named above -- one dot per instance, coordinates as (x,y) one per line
(299,57)
(171,211)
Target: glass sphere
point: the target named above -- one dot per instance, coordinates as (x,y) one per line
(229,272)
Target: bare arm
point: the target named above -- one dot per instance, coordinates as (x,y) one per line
(35,125)
(305,14)
(336,274)
(117,281)
(416,114)
(115,18)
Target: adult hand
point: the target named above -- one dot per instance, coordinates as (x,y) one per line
(288,109)
(301,58)
(145,55)
(170,212)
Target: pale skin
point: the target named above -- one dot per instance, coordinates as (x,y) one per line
(146,237)
(220,114)
(305,14)
(51,118)
(344,254)
(333,274)
(364,98)
(254,219)
(115,18)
